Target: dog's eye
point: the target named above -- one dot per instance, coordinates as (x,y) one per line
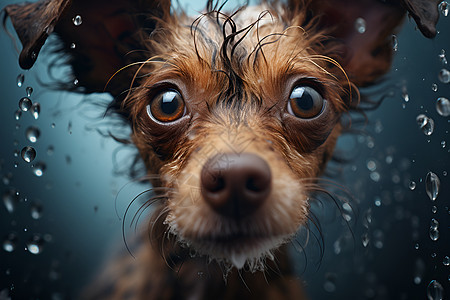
(167,106)
(305,102)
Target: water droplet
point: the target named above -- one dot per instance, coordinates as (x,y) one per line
(394,42)
(434,234)
(371,165)
(443,144)
(50,150)
(10,242)
(35,110)
(405,95)
(32,134)
(446,261)
(435,291)
(69,127)
(425,123)
(20,80)
(434,209)
(75,82)
(443,7)
(412,185)
(10,199)
(433,255)
(365,239)
(375,176)
(36,211)
(17,114)
(360,25)
(378,239)
(443,106)
(444,76)
(377,202)
(33,55)
(434,87)
(330,282)
(77,20)
(39,169)
(432,184)
(73,46)
(434,224)
(28,154)
(25,104)
(29,91)
(442,57)
(416,246)
(444,173)
(35,244)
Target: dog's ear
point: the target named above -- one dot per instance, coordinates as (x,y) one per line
(98,36)
(366,27)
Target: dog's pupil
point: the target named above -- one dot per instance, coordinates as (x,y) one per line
(303,99)
(169,103)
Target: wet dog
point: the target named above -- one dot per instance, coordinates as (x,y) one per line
(235,116)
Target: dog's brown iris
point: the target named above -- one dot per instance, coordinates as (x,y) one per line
(167,106)
(305,102)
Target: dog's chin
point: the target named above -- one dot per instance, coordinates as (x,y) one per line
(236,250)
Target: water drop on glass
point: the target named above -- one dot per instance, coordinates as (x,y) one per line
(432,184)
(36,211)
(442,57)
(10,242)
(53,125)
(446,261)
(330,283)
(35,244)
(73,46)
(29,91)
(77,20)
(17,114)
(32,134)
(75,82)
(444,76)
(443,7)
(425,123)
(394,42)
(443,106)
(434,234)
(443,144)
(25,104)
(405,95)
(434,209)
(412,185)
(434,87)
(365,239)
(28,154)
(416,246)
(35,110)
(434,224)
(10,199)
(360,25)
(39,169)
(20,80)
(435,291)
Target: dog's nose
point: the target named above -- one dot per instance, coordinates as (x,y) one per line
(235,185)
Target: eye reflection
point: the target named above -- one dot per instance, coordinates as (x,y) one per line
(167,106)
(305,102)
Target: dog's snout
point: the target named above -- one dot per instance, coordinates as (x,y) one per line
(235,185)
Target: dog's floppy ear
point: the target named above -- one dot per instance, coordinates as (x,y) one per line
(365,28)
(99,36)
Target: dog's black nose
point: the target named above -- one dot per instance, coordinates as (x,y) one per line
(235,185)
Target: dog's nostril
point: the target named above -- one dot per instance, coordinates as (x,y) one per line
(235,185)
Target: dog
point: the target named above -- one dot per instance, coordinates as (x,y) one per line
(235,116)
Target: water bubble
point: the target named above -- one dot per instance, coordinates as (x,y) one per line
(10,199)
(434,224)
(444,76)
(76,82)
(25,104)
(6,179)
(28,154)
(443,7)
(53,125)
(35,244)
(375,176)
(20,80)
(371,165)
(36,211)
(434,209)
(442,57)
(17,114)
(35,110)
(29,91)
(434,234)
(360,25)
(433,255)
(443,106)
(39,169)
(432,184)
(394,42)
(330,282)
(377,202)
(435,291)
(73,46)
(77,20)
(412,185)
(416,246)
(10,242)
(425,123)
(32,134)
(446,261)
(378,239)
(434,87)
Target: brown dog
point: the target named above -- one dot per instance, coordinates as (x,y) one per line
(237,115)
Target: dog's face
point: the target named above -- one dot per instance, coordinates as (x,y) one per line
(237,114)
(244,123)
